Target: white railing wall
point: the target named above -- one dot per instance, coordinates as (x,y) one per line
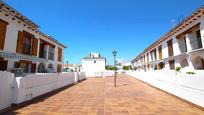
(21,89)
(100,74)
(188,87)
(6,85)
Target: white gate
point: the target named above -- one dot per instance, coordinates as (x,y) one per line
(6,84)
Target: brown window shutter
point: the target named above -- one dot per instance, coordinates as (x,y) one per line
(17,64)
(3,26)
(59,54)
(33,68)
(59,68)
(19,48)
(35,47)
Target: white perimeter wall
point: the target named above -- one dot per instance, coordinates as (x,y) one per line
(188,87)
(21,89)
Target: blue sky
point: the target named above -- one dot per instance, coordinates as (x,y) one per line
(128,26)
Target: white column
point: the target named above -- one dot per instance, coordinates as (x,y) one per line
(190,62)
(47,51)
(165,50)
(38,50)
(202,31)
(188,42)
(176,47)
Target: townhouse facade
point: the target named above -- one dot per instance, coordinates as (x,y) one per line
(183,47)
(23,45)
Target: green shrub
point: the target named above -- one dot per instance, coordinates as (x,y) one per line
(190,73)
(178,69)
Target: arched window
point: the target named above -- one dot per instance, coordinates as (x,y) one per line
(50,66)
(41,68)
(198,63)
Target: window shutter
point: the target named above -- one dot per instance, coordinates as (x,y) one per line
(3,26)
(35,47)
(17,64)
(19,48)
(33,68)
(59,54)
(59,68)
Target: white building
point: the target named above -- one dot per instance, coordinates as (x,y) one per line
(23,45)
(121,63)
(183,47)
(93,63)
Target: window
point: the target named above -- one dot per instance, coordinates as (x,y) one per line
(51,53)
(41,68)
(25,65)
(26,45)
(160,52)
(199,39)
(170,47)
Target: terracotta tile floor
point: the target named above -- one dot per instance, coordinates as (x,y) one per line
(97,96)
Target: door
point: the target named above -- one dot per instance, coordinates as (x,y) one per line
(172,65)
(3,64)
(202,63)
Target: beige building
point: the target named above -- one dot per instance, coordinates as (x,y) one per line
(183,47)
(23,45)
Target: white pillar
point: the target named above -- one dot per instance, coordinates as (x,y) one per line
(202,31)
(47,51)
(176,49)
(165,50)
(188,42)
(190,62)
(38,50)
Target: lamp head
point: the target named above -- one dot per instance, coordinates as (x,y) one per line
(114,53)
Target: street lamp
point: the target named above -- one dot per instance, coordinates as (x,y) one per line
(115,75)
(67,65)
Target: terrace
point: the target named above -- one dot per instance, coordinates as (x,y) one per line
(97,96)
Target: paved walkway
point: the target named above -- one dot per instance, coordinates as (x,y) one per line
(97,96)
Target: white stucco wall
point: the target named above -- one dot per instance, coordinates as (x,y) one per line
(90,67)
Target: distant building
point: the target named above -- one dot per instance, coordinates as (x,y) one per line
(23,46)
(72,67)
(183,47)
(121,63)
(93,63)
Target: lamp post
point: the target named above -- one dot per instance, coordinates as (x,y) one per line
(115,75)
(67,65)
